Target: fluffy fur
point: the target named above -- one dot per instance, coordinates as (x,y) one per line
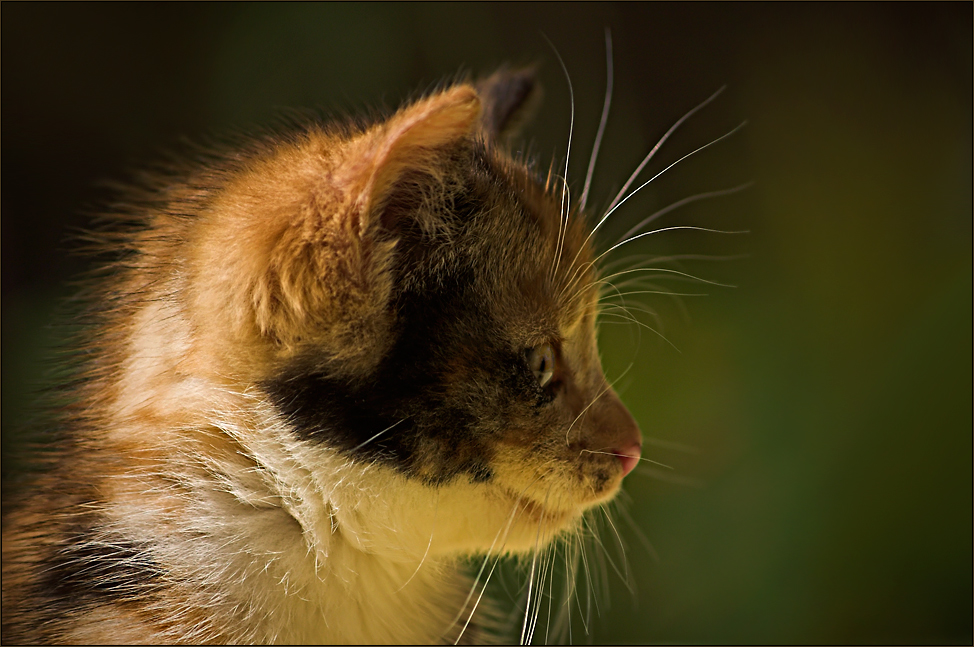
(308,394)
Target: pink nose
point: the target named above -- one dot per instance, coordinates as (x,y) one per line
(629,457)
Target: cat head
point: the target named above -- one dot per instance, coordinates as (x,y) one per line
(419,308)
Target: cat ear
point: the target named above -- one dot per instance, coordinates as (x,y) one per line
(409,142)
(509,96)
(325,273)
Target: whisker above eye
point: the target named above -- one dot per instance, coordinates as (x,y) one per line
(629,310)
(650,180)
(602,121)
(673,274)
(571,124)
(562,232)
(572,283)
(631,319)
(665,270)
(679,203)
(642,260)
(617,295)
(649,156)
(565,205)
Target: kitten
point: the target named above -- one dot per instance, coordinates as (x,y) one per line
(328,367)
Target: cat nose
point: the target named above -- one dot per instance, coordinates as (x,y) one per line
(621,432)
(629,457)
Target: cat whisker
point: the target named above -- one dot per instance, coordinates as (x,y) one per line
(630,261)
(628,579)
(638,531)
(679,203)
(641,260)
(571,128)
(534,563)
(572,283)
(551,573)
(668,444)
(632,178)
(594,400)
(479,597)
(610,291)
(666,477)
(573,557)
(626,318)
(641,458)
(363,444)
(602,121)
(436,509)
(629,310)
(665,229)
(647,287)
(605,554)
(564,619)
(593,594)
(571,124)
(555,627)
(619,199)
(650,180)
(661,270)
(505,530)
(661,291)
(560,627)
(562,234)
(606,307)
(677,258)
(552,558)
(545,572)
(617,203)
(641,324)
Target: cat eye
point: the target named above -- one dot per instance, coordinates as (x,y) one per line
(541,359)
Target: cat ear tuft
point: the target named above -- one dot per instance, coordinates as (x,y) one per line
(509,96)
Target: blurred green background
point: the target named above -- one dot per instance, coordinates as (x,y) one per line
(827,398)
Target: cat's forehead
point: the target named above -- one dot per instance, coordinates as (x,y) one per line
(541,249)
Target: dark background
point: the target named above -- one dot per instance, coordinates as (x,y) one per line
(828,398)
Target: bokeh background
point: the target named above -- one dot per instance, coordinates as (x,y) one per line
(817,417)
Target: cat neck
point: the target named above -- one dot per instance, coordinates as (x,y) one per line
(268,553)
(269,539)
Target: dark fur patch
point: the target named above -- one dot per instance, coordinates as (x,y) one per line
(99,570)
(420,411)
(84,569)
(403,414)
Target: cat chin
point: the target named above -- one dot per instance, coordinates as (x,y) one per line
(381,512)
(535,524)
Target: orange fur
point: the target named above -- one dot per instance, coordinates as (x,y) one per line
(185,480)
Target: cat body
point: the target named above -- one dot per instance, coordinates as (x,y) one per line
(329,367)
